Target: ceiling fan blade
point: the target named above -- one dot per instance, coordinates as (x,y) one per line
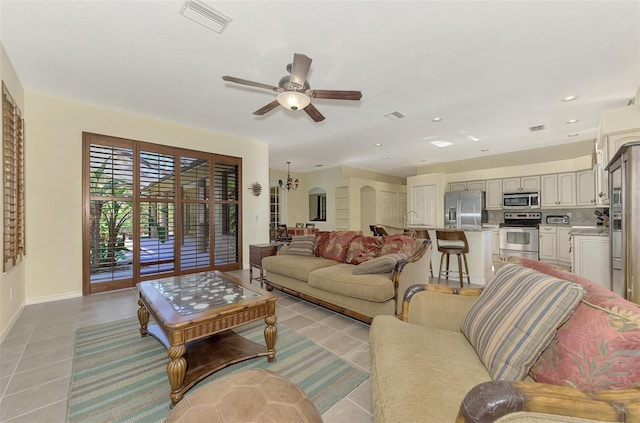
(269,107)
(335,94)
(314,113)
(250,83)
(300,68)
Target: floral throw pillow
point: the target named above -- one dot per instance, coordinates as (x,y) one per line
(363,248)
(598,347)
(321,239)
(337,245)
(398,244)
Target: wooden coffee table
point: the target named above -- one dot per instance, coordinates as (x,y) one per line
(194,314)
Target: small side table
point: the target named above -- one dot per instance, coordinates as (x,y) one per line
(256,253)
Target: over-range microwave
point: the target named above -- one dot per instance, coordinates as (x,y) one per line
(521,200)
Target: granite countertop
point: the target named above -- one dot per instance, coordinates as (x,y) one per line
(433,228)
(589,230)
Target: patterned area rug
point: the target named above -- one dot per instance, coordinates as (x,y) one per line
(120,377)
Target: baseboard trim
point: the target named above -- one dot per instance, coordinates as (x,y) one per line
(12,322)
(58,297)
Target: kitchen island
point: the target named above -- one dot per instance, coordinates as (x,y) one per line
(478,258)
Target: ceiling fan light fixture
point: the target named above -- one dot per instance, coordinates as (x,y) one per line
(293,100)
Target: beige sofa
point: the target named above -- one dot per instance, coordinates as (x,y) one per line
(333,284)
(424,369)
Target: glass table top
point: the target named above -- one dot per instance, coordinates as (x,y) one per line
(194,293)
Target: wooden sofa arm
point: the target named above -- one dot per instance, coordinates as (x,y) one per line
(414,289)
(490,401)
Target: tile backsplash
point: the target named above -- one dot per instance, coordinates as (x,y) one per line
(581,216)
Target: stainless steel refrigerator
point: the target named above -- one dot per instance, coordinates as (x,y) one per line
(464,209)
(624,221)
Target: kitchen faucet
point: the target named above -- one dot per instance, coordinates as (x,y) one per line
(405,219)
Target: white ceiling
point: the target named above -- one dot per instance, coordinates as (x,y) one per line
(490,69)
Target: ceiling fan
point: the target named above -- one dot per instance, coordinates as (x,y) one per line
(294,91)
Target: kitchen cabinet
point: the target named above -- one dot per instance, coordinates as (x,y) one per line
(495,242)
(424,202)
(564,244)
(617,140)
(524,184)
(548,245)
(590,258)
(467,186)
(585,188)
(558,190)
(493,194)
(554,244)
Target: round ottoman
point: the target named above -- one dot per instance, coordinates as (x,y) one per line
(255,395)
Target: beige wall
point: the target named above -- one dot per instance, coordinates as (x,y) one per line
(12,283)
(54,178)
(297,202)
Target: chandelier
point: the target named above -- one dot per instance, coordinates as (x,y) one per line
(290,184)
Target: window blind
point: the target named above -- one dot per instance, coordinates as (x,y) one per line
(13,181)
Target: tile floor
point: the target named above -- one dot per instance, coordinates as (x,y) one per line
(35,356)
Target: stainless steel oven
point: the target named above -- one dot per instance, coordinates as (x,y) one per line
(519,235)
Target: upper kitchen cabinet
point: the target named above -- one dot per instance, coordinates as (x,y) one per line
(558,190)
(493,194)
(524,184)
(585,191)
(467,186)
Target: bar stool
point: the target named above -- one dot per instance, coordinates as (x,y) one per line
(423,234)
(460,248)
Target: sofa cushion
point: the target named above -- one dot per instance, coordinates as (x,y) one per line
(339,279)
(420,374)
(337,245)
(296,267)
(302,245)
(398,244)
(598,347)
(363,248)
(382,264)
(515,319)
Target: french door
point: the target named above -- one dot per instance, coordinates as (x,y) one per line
(152,211)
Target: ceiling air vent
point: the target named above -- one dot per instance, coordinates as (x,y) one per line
(536,128)
(395,115)
(206,15)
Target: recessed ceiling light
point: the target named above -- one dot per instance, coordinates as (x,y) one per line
(484,150)
(570,98)
(441,143)
(378,144)
(436,119)
(472,138)
(319,165)
(384,157)
(570,121)
(573,135)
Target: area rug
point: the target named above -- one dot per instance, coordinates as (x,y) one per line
(118,376)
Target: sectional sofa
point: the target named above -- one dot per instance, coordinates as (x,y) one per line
(537,345)
(359,276)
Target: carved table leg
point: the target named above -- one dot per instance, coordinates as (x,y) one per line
(176,369)
(143,317)
(270,335)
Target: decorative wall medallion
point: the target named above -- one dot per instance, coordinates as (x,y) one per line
(255,188)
